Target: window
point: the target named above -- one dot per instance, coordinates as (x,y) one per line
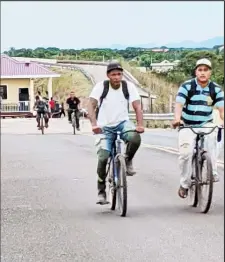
(3,91)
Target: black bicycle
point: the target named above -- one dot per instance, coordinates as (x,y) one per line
(42,127)
(73,119)
(117,174)
(201,162)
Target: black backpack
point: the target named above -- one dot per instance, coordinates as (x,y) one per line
(192,92)
(106,90)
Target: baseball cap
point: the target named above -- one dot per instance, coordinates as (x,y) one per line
(203,61)
(114,66)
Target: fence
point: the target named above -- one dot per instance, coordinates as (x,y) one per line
(162,117)
(15,107)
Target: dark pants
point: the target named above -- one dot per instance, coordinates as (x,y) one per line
(38,117)
(76,117)
(104,147)
(62,112)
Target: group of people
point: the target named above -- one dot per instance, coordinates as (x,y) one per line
(43,106)
(195,101)
(108,110)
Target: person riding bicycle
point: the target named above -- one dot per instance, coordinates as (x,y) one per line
(113,115)
(41,107)
(73,103)
(194,107)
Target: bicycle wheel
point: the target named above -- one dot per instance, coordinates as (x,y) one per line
(206,182)
(42,124)
(193,196)
(112,185)
(121,185)
(73,124)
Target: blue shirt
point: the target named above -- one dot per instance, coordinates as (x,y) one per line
(200,108)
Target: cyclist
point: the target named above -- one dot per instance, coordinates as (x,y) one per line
(73,103)
(41,107)
(113,114)
(194,106)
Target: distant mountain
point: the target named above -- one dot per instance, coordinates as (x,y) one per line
(209,43)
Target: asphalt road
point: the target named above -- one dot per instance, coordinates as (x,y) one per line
(48,211)
(168,138)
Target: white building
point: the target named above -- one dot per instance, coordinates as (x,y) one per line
(164,66)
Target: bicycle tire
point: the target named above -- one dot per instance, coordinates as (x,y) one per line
(122,204)
(112,189)
(42,125)
(207,159)
(73,124)
(193,196)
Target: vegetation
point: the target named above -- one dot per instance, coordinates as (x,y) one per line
(159,84)
(136,57)
(69,80)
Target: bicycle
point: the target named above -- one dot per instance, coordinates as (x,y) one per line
(73,119)
(42,127)
(199,158)
(42,123)
(116,173)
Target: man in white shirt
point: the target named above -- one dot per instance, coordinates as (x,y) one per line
(112,113)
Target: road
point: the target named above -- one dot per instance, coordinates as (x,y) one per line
(48,210)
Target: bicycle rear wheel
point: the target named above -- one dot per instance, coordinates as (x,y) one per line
(206,182)
(121,186)
(193,196)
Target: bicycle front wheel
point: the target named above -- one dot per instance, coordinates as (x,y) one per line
(205,186)
(121,185)
(74,125)
(42,124)
(193,195)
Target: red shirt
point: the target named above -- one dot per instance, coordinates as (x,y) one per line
(52,104)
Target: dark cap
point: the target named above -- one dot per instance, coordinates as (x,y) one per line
(114,66)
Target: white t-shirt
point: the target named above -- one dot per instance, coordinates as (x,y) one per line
(114,106)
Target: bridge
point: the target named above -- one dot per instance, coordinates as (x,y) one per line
(48,195)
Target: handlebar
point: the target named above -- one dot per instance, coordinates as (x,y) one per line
(201,133)
(118,132)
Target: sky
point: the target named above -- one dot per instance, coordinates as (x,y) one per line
(101,24)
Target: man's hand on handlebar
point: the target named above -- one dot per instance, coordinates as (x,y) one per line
(140,129)
(176,123)
(96,130)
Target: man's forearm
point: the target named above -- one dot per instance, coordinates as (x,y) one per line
(91,111)
(178,111)
(138,112)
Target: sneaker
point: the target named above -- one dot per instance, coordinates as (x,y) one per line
(102,199)
(216,178)
(46,125)
(78,129)
(70,122)
(130,168)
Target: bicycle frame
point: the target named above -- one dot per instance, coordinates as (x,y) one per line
(116,149)
(199,143)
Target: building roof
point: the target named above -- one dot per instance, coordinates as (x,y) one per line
(11,68)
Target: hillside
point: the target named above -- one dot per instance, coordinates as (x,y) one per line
(69,80)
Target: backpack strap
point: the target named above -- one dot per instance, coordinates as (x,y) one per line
(191,92)
(125,92)
(212,92)
(104,94)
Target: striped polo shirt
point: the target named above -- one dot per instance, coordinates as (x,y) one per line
(199,109)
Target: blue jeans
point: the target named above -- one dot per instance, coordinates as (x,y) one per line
(104,144)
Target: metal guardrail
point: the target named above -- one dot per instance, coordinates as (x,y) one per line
(162,117)
(15,107)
